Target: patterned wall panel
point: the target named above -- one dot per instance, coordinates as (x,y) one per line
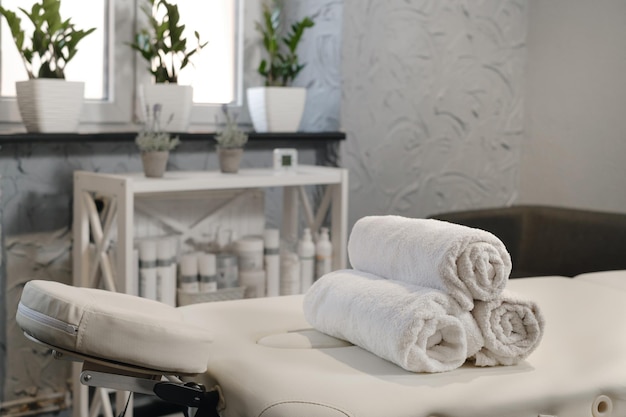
(432,104)
(31,370)
(320,50)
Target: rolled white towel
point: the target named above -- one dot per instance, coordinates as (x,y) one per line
(467,263)
(417,328)
(511,326)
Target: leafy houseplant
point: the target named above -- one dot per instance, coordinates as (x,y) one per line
(278,107)
(53,42)
(165,49)
(231,136)
(282,64)
(230,143)
(155,144)
(162,45)
(50,47)
(156,141)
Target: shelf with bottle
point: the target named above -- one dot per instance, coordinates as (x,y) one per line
(122,190)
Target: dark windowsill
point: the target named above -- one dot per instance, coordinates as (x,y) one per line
(254,139)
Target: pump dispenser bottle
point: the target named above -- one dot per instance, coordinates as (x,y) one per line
(306,253)
(323,254)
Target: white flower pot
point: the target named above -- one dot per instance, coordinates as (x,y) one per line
(176,102)
(49,105)
(276,109)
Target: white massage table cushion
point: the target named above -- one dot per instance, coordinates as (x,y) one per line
(269,362)
(113,327)
(612,279)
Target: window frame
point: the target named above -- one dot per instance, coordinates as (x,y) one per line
(126,72)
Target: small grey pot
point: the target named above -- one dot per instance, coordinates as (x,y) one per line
(154,163)
(229,159)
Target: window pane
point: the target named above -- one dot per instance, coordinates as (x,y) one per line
(107,65)
(212,71)
(87,65)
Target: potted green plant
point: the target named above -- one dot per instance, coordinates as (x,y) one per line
(154,143)
(278,106)
(230,143)
(162,45)
(47,102)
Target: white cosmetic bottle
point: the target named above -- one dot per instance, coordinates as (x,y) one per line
(148,269)
(323,254)
(306,253)
(271,258)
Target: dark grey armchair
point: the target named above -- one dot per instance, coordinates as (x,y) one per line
(545,240)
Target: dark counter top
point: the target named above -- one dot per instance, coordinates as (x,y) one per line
(273,139)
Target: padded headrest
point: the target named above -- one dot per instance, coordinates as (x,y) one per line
(113,327)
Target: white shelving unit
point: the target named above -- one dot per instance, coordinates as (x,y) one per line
(120,192)
(122,189)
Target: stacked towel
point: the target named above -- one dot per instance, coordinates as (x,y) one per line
(417,328)
(465,262)
(426,295)
(511,326)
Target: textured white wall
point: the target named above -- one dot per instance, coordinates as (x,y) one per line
(575,152)
(30,368)
(432,103)
(320,50)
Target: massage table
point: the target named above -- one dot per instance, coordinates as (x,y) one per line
(264,359)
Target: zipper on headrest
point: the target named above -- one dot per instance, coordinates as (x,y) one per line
(47,320)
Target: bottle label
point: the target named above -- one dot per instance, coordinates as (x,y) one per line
(163,262)
(208,283)
(208,278)
(189,283)
(147,264)
(271,251)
